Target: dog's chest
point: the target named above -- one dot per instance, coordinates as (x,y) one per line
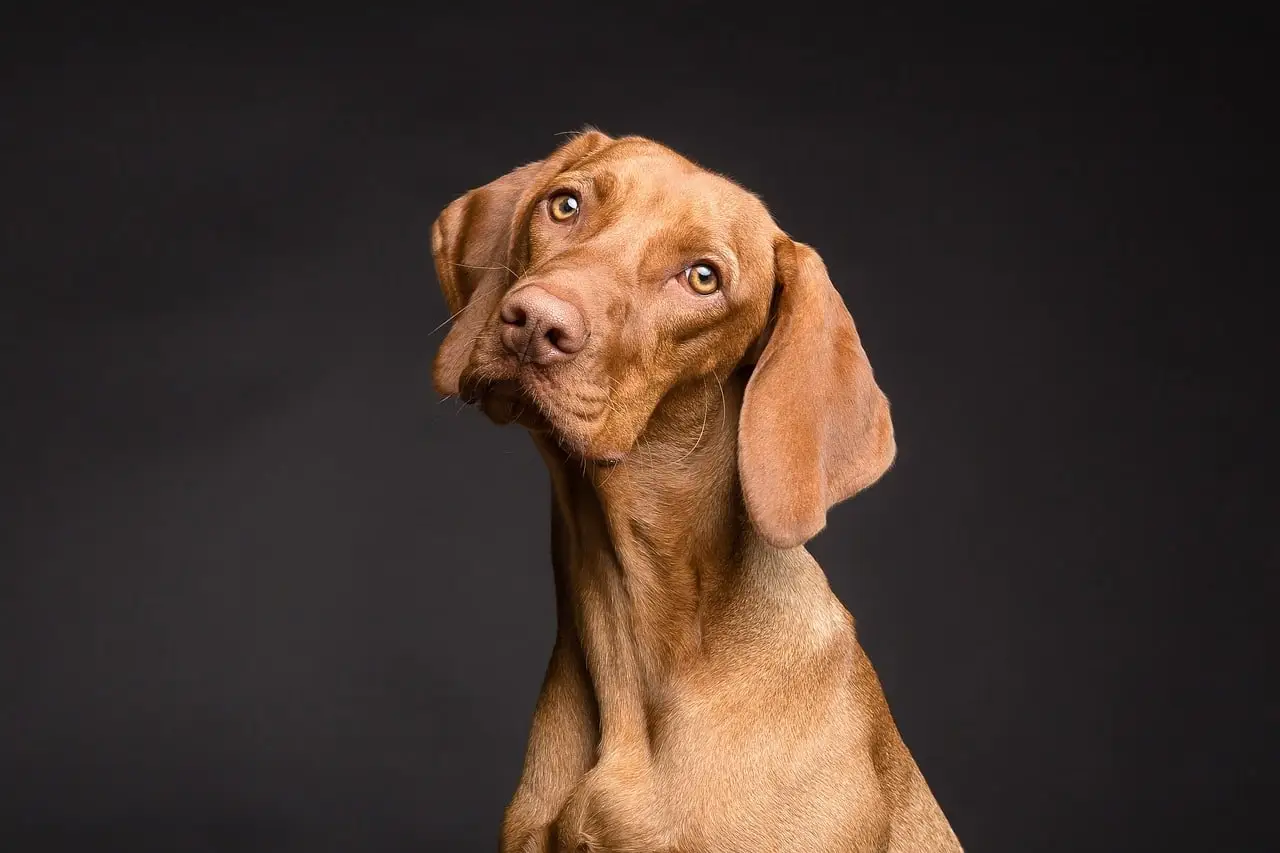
(623,806)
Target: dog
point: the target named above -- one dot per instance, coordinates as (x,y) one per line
(701,398)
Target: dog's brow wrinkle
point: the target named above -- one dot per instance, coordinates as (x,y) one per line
(605,185)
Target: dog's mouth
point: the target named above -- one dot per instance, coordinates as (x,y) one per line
(509,401)
(505,402)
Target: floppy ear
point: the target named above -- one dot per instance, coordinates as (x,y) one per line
(815,428)
(475,241)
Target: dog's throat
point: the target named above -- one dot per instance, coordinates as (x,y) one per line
(639,552)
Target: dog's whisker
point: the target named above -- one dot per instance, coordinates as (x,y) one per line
(482,267)
(702,430)
(724,406)
(455,315)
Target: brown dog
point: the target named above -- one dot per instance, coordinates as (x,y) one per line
(698,390)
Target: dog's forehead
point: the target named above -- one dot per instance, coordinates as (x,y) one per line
(646,167)
(649,176)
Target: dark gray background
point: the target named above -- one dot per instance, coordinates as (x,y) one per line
(259,591)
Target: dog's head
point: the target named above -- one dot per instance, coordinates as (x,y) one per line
(589,287)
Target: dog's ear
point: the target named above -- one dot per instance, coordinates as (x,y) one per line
(476,241)
(815,427)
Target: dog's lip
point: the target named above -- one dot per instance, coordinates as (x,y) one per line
(506,401)
(522,407)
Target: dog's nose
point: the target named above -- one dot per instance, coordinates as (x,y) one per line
(541,328)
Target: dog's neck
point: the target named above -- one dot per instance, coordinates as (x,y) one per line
(647,549)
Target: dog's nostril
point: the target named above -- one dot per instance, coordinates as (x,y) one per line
(554,335)
(514,315)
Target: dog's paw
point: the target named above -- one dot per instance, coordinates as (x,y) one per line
(522,832)
(538,841)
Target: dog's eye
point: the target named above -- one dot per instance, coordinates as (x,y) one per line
(563,207)
(703,279)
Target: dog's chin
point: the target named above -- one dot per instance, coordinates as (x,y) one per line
(599,457)
(508,402)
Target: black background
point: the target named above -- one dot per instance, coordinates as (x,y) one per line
(261,592)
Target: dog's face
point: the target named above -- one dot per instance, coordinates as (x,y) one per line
(636,271)
(589,287)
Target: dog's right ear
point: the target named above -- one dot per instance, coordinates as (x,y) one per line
(475,241)
(815,427)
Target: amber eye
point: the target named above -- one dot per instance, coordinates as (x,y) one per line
(702,279)
(563,207)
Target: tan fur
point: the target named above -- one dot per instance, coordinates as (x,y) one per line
(706,691)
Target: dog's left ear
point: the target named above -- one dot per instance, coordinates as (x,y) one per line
(815,427)
(476,243)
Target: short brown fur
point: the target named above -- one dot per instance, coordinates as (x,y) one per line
(706,690)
